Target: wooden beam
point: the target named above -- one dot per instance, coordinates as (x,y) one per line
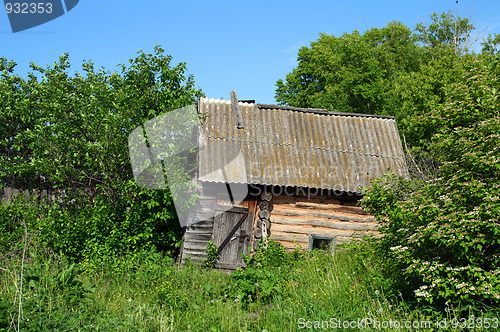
(231,208)
(195,246)
(312,213)
(293,230)
(303,238)
(355,226)
(236,110)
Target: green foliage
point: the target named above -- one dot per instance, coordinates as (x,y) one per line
(91,233)
(212,255)
(44,292)
(73,130)
(441,231)
(12,220)
(443,234)
(175,291)
(446,31)
(391,70)
(146,291)
(273,255)
(71,133)
(42,284)
(265,274)
(491,44)
(351,73)
(420,92)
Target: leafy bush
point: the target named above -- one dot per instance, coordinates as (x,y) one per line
(443,234)
(15,220)
(70,133)
(265,274)
(212,255)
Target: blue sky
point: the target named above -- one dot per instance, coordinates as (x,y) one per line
(228,45)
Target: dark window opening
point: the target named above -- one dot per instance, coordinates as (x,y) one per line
(322,243)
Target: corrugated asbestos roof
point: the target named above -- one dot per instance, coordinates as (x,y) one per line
(288,146)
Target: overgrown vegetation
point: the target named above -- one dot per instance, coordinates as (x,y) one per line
(148,292)
(101,255)
(441,227)
(70,133)
(443,235)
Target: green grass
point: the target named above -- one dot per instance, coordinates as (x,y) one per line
(148,292)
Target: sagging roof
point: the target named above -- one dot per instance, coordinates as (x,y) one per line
(288,146)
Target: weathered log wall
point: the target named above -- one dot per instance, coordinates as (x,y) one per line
(295,218)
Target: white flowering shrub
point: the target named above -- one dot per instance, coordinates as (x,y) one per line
(442,236)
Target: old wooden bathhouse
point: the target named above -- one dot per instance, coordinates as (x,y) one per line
(304,169)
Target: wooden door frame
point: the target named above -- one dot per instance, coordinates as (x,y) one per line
(247,222)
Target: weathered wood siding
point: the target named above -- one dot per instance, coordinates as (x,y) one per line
(197,236)
(294,218)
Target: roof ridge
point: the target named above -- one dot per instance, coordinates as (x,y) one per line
(301,109)
(321,111)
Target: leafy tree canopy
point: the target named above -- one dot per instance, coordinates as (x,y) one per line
(392,70)
(351,73)
(71,132)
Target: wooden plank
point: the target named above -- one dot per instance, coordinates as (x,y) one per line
(198,235)
(343,239)
(207,198)
(248,226)
(290,245)
(230,208)
(200,227)
(236,110)
(296,196)
(203,214)
(202,231)
(332,207)
(328,232)
(304,238)
(195,246)
(229,266)
(278,210)
(292,242)
(323,200)
(325,223)
(195,253)
(293,245)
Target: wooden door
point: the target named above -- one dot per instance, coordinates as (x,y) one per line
(232,233)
